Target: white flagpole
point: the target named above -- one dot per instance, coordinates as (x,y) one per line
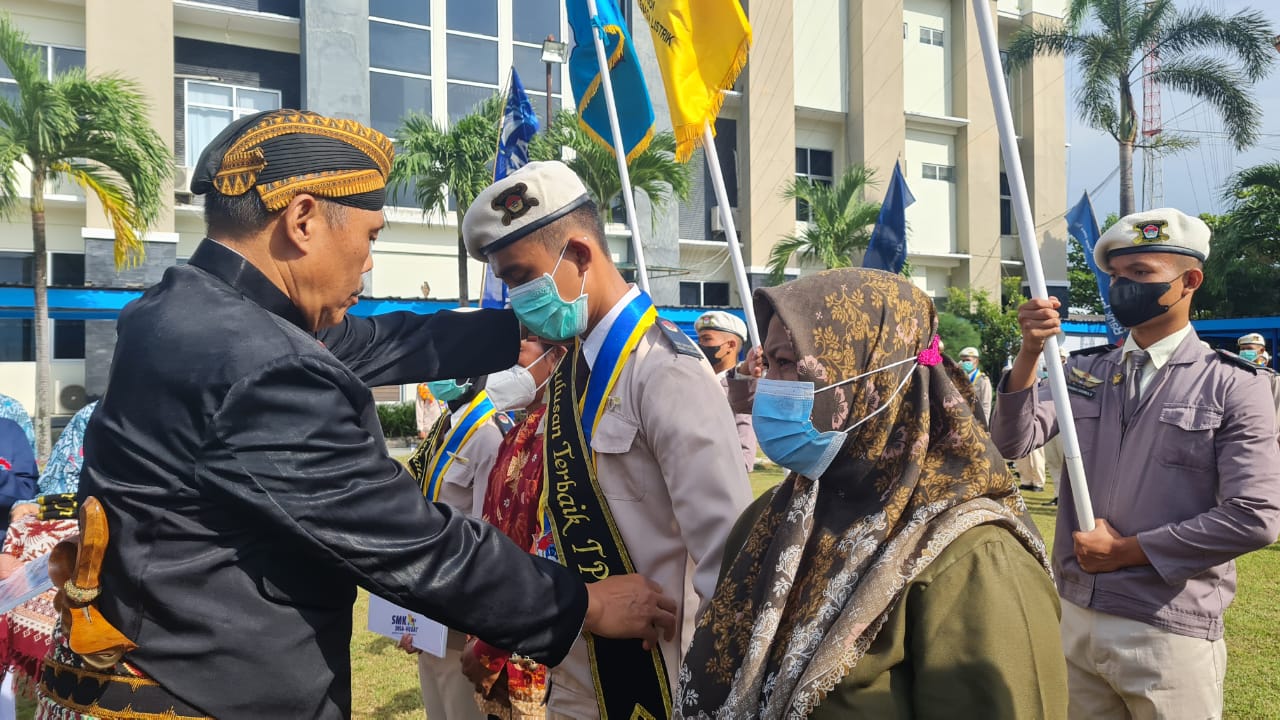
(619,150)
(730,231)
(1031,259)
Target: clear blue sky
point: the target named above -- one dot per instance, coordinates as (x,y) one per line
(1193,179)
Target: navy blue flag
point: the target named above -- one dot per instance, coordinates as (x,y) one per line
(519,125)
(1082,225)
(887,249)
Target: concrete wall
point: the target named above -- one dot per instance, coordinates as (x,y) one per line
(927,68)
(767,160)
(335,52)
(977,159)
(821,56)
(931,220)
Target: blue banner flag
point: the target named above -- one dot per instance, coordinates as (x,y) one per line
(1082,225)
(519,125)
(630,94)
(887,249)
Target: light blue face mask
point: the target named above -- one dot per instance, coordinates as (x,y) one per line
(447,390)
(540,308)
(782,418)
(968,365)
(1250,355)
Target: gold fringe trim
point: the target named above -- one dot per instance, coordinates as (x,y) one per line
(96,710)
(332,184)
(689,136)
(594,87)
(373,143)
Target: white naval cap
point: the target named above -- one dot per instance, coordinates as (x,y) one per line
(970,352)
(721,320)
(1251,339)
(528,199)
(1164,230)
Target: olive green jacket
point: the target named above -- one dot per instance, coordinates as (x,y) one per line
(973,636)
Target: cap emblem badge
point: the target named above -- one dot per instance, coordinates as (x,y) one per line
(514,202)
(1150,232)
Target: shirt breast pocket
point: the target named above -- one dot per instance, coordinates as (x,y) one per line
(1188,435)
(615,436)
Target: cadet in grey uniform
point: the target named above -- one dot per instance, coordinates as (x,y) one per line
(1180,454)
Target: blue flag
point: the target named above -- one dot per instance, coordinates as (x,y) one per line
(1083,226)
(519,125)
(887,249)
(631,95)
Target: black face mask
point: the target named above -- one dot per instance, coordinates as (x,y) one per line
(1134,303)
(711,351)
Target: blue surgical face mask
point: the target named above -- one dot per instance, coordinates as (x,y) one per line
(782,418)
(540,308)
(1250,355)
(967,365)
(447,390)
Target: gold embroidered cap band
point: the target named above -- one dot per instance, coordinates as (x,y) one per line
(281,153)
(1164,230)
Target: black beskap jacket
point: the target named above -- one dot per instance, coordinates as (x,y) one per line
(248,492)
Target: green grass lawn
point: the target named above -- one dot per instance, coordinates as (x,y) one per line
(385,680)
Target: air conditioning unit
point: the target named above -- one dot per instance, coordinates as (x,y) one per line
(717,222)
(71,398)
(182,180)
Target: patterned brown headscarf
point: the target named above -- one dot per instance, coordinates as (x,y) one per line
(829,558)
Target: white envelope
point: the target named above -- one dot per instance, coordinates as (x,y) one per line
(391,620)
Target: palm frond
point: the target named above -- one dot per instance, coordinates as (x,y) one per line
(1048,38)
(1246,35)
(1216,82)
(1265,176)
(127,221)
(781,253)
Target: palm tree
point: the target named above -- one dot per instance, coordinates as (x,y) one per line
(95,132)
(655,172)
(1123,34)
(840,221)
(436,162)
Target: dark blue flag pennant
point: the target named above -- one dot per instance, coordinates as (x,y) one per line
(1082,225)
(519,125)
(887,249)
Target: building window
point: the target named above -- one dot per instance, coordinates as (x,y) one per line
(930,171)
(17,340)
(399,62)
(16,269)
(54,60)
(213,106)
(68,339)
(816,166)
(471,49)
(66,269)
(929,36)
(1006,206)
(704,294)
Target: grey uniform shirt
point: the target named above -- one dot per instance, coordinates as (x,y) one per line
(1195,476)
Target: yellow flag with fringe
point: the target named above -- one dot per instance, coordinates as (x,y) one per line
(701,46)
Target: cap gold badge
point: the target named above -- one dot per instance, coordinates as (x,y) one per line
(1150,232)
(514,202)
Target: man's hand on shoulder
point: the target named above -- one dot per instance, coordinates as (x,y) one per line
(630,606)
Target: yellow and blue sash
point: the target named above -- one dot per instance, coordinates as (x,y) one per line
(630,682)
(432,474)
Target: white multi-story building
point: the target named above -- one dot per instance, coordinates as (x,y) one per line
(829,83)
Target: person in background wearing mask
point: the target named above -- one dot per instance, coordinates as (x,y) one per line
(427,410)
(452,466)
(644,469)
(721,337)
(512,687)
(1253,347)
(978,379)
(1180,454)
(895,573)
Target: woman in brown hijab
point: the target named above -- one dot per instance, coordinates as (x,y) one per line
(897,574)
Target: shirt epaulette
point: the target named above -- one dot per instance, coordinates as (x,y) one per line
(1095,350)
(1235,359)
(679,341)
